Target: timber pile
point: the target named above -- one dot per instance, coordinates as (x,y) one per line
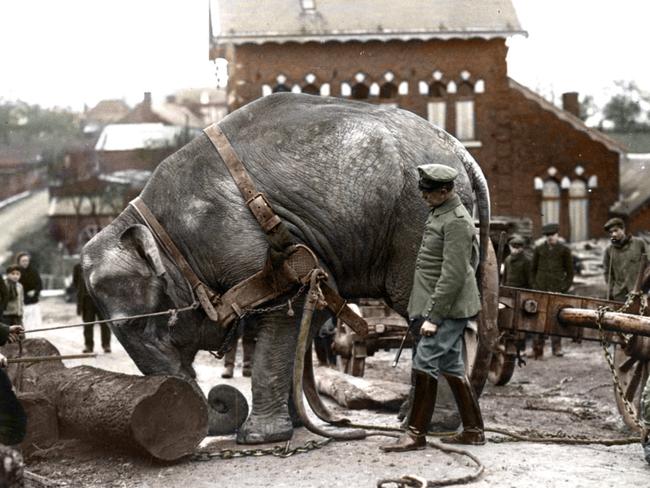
(162,416)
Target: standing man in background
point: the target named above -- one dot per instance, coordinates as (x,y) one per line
(552,270)
(622,260)
(88,311)
(32,286)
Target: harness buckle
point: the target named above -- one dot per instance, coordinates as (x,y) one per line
(264,214)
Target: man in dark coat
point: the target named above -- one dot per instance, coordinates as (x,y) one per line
(88,311)
(4,296)
(13,420)
(552,270)
(32,286)
(622,260)
(517,266)
(443,298)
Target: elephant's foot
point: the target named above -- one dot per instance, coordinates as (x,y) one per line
(262,429)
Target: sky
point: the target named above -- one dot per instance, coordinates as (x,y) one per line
(69,53)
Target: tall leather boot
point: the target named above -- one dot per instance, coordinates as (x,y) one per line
(470,413)
(424,401)
(249,350)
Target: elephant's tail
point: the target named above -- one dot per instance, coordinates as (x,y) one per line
(482,192)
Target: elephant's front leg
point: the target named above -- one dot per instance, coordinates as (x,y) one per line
(269,420)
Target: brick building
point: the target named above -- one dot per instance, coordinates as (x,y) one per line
(21,170)
(444,60)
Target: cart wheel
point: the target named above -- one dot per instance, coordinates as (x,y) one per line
(502,367)
(488,331)
(632,372)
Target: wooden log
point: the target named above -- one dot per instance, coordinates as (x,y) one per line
(42,425)
(162,416)
(356,393)
(612,321)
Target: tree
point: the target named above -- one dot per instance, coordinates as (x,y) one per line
(625,109)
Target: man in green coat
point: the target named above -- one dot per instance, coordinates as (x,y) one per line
(552,270)
(622,260)
(444,296)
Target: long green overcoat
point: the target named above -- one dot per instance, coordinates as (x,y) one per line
(621,265)
(444,282)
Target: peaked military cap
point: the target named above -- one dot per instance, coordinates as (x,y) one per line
(615,222)
(433,176)
(550,229)
(517,240)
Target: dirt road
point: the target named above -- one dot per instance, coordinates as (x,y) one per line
(570,395)
(21,217)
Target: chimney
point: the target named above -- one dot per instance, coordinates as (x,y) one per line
(570,103)
(147,100)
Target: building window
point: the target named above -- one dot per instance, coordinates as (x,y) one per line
(437,113)
(551,202)
(465,120)
(578,210)
(360,91)
(388,90)
(311,89)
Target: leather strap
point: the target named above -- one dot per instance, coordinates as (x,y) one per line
(203,292)
(255,201)
(341,310)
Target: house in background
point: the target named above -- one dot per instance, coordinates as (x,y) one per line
(444,60)
(634,204)
(21,170)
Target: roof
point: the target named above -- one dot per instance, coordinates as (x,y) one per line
(107,111)
(568,117)
(635,190)
(255,21)
(175,114)
(135,178)
(127,137)
(84,205)
(634,142)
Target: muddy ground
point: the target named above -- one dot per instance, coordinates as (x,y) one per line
(570,396)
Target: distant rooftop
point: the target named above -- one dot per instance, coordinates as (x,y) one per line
(126,137)
(254,21)
(633,142)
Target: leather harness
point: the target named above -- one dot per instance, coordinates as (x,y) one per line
(265,285)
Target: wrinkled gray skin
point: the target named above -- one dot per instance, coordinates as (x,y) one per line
(341,174)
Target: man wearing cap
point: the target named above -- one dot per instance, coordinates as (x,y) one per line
(516,267)
(552,270)
(444,296)
(622,260)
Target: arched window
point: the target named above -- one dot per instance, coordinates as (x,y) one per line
(281,87)
(551,202)
(311,89)
(388,90)
(360,91)
(465,112)
(578,210)
(437,107)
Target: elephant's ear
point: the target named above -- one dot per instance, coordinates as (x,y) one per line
(140,238)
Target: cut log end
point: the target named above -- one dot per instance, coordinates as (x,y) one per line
(171,422)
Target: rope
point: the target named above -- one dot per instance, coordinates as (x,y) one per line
(172,312)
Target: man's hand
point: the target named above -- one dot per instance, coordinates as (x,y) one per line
(14,333)
(428,329)
(3,361)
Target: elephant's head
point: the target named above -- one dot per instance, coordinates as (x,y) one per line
(127,274)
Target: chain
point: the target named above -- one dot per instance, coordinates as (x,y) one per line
(256,311)
(277,451)
(629,408)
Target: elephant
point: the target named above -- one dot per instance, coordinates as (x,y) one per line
(340,174)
